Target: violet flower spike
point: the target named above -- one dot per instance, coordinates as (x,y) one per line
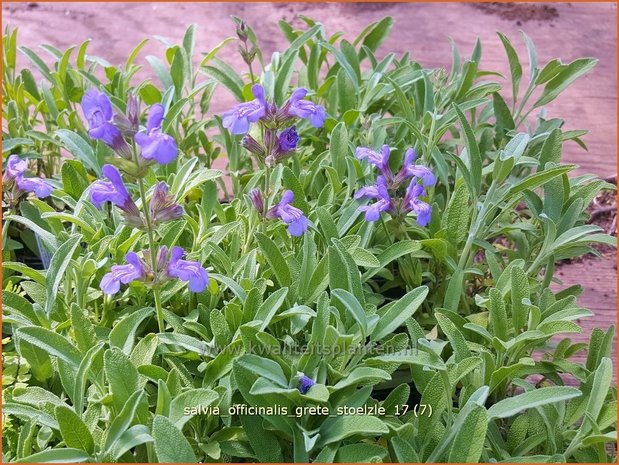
(37,185)
(418,171)
(256,199)
(163,206)
(413,203)
(122,274)
(187,270)
(238,119)
(15,167)
(14,173)
(288,139)
(97,109)
(154,143)
(378,159)
(296,220)
(305,383)
(115,191)
(378,192)
(305,109)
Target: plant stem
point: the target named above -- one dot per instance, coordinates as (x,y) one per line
(251,74)
(153,253)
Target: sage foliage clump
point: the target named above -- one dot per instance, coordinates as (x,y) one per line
(369,279)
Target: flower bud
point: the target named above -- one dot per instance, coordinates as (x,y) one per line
(256,198)
(241,31)
(252,145)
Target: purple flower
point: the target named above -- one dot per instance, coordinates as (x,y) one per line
(412,203)
(287,140)
(37,185)
(187,270)
(256,198)
(97,109)
(238,119)
(305,109)
(417,171)
(296,220)
(14,173)
(15,168)
(122,274)
(154,143)
(163,206)
(378,192)
(305,383)
(379,160)
(115,191)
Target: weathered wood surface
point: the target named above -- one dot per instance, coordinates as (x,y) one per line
(565,30)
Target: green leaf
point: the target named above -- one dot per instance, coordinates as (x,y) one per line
(74,432)
(343,272)
(123,420)
(29,413)
(122,376)
(123,333)
(284,74)
(561,81)
(515,68)
(50,342)
(457,340)
(472,150)
(409,357)
(498,314)
(275,258)
(338,149)
(264,443)
(354,308)
(360,453)
(226,76)
(161,71)
(191,399)
(79,148)
(83,329)
(82,376)
(171,446)
(350,425)
(391,253)
(530,399)
(63,455)
(264,368)
(520,292)
(468,444)
(398,312)
(458,215)
(602,380)
(269,308)
(57,266)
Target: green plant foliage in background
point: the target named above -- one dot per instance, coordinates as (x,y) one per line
(458,316)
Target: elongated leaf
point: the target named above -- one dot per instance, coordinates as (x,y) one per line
(121,375)
(530,399)
(58,265)
(123,333)
(74,432)
(354,308)
(171,446)
(399,312)
(52,343)
(472,150)
(63,455)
